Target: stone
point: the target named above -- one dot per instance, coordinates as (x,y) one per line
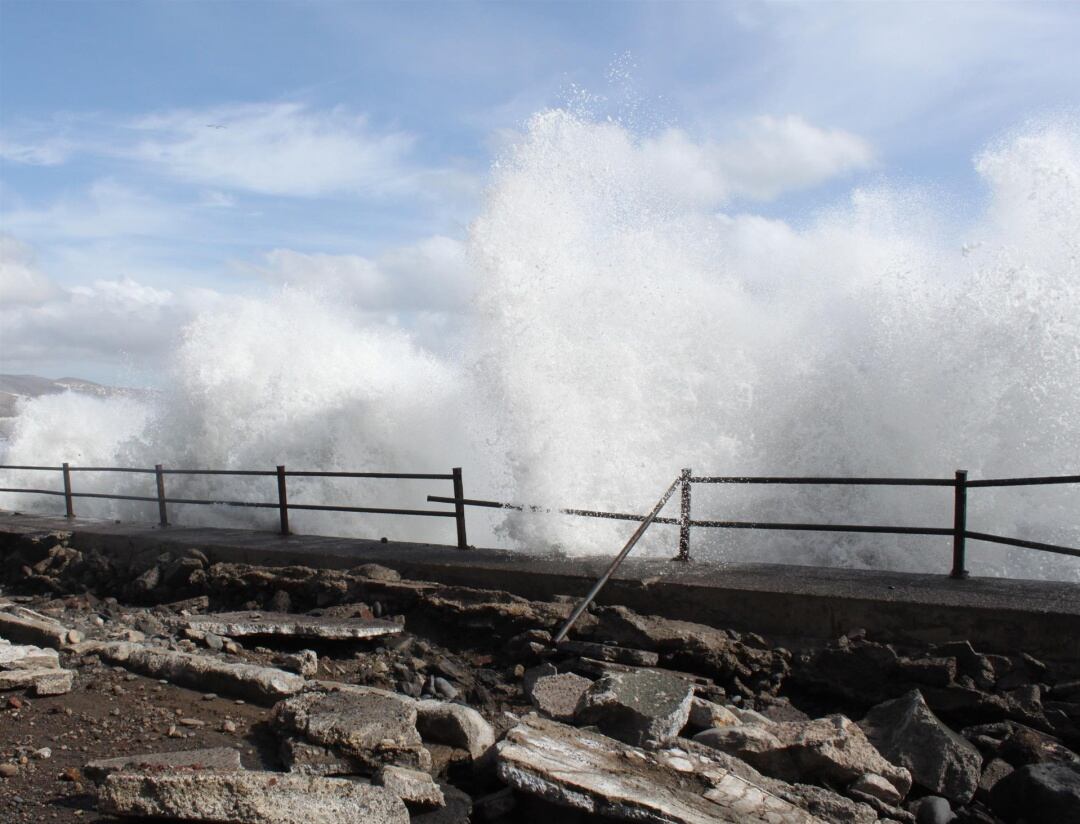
(831,750)
(24,626)
(612,654)
(249,797)
(305,662)
(8,770)
(741,741)
(934,810)
(372,725)
(589,772)
(876,787)
(557,696)
(415,788)
(457,808)
(376,572)
(218,759)
(995,770)
(531,675)
(705,715)
(201,672)
(644,708)
(454,725)
(907,733)
(43,681)
(304,758)
(244,624)
(28,656)
(1047,793)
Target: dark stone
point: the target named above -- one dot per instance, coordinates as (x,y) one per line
(1040,794)
(934,810)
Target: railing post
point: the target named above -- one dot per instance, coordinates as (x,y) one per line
(283,500)
(68,501)
(163,514)
(684,519)
(959,526)
(459,508)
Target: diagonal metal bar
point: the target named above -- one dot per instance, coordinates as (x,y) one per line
(599,585)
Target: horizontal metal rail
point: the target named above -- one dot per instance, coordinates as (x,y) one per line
(886,530)
(768,479)
(33,491)
(44,468)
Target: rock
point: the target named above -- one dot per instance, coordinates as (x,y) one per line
(202,672)
(934,810)
(43,681)
(825,804)
(750,717)
(213,641)
(415,788)
(643,708)
(302,757)
(907,733)
(305,662)
(876,787)
(934,672)
(532,674)
(372,725)
(8,770)
(587,771)
(831,750)
(23,626)
(28,656)
(1047,793)
(218,759)
(455,725)
(557,696)
(249,797)
(496,805)
(705,715)
(376,572)
(457,809)
(741,741)
(244,624)
(612,654)
(445,689)
(992,773)
(280,602)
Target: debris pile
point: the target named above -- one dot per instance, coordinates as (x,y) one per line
(232,693)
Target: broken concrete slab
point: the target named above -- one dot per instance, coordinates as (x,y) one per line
(302,757)
(907,733)
(454,725)
(244,624)
(643,708)
(371,725)
(217,759)
(557,696)
(249,797)
(202,672)
(24,626)
(611,654)
(417,789)
(705,715)
(44,681)
(27,656)
(598,775)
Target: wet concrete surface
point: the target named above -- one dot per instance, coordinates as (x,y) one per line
(997,613)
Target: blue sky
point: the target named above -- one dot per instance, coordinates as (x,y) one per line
(159,155)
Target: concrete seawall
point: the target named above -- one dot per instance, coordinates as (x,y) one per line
(1042,617)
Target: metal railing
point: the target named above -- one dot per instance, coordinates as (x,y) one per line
(282,504)
(958,531)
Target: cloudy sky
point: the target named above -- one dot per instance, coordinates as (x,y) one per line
(159,157)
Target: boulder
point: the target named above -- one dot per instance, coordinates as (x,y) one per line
(907,733)
(1047,793)
(248,797)
(589,772)
(705,715)
(741,741)
(557,696)
(643,708)
(372,725)
(454,725)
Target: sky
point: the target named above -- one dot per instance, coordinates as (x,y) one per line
(159,157)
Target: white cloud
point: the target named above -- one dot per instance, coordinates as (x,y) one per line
(770,156)
(428,276)
(275,149)
(21,282)
(46,152)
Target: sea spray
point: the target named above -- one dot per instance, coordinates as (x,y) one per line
(630,322)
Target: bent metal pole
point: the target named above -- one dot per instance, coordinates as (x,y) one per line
(599,585)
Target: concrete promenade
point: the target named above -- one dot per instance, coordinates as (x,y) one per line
(1042,617)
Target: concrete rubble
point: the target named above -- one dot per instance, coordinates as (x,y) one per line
(308,627)
(249,798)
(366,696)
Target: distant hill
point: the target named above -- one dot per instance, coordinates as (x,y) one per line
(14,388)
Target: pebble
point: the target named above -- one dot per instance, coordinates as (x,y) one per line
(445,689)
(228,726)
(43,753)
(8,771)
(210,696)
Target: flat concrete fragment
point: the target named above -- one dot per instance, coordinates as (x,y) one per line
(411,786)
(28,656)
(249,797)
(201,672)
(590,772)
(244,624)
(45,681)
(557,696)
(24,626)
(455,725)
(304,758)
(644,708)
(611,654)
(217,759)
(372,725)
